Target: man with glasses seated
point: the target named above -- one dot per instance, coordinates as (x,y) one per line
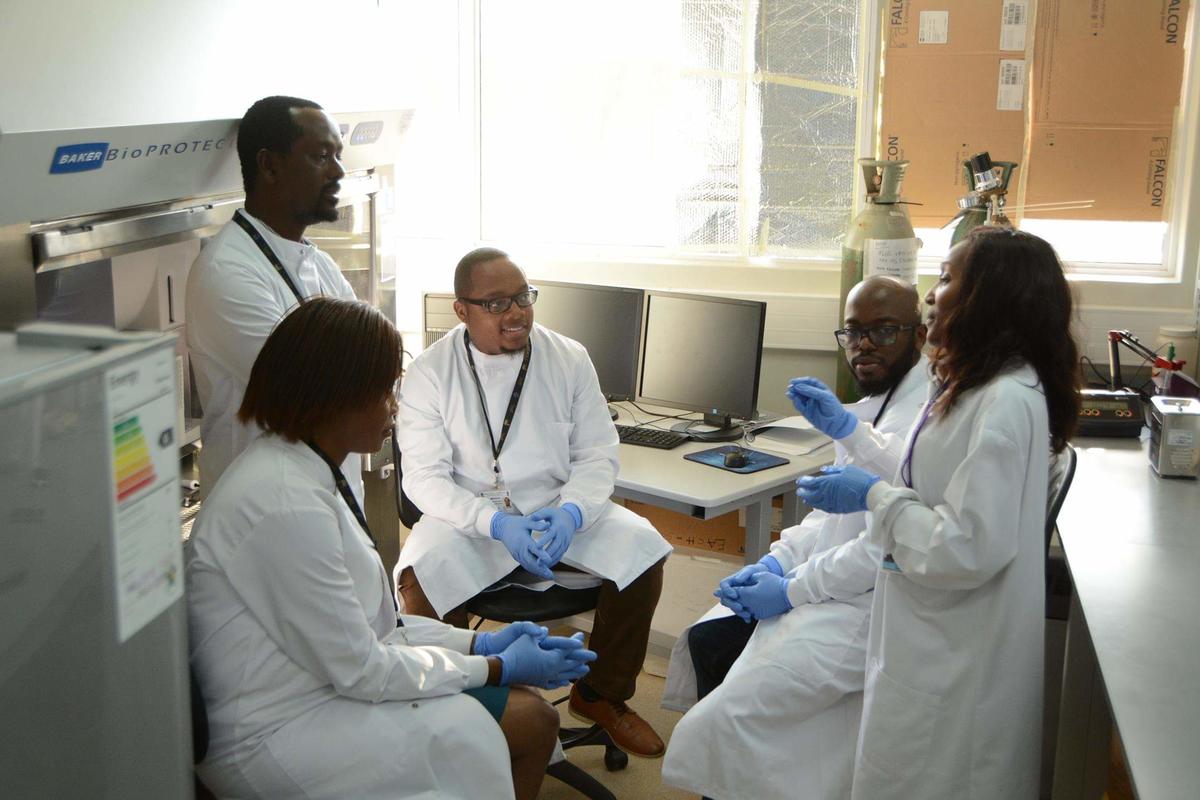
(773,676)
(508,449)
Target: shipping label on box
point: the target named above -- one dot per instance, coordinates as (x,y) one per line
(1010,95)
(1125,171)
(958,26)
(1014,22)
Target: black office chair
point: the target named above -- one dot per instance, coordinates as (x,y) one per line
(199,735)
(1058,577)
(514,604)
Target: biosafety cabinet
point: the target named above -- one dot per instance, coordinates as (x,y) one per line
(99,227)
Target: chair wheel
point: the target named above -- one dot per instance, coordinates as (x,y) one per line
(615,759)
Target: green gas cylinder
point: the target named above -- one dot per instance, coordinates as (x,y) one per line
(880,240)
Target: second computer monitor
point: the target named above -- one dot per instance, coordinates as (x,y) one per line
(607,320)
(703,353)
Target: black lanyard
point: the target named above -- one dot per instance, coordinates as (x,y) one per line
(343,487)
(906,466)
(258,239)
(512,403)
(883,408)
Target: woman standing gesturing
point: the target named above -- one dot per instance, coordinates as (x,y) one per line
(953,700)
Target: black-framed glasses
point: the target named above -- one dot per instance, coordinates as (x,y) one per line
(498,305)
(880,335)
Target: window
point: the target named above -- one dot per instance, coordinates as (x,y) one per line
(715,126)
(729,128)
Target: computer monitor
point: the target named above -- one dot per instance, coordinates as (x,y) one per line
(703,354)
(607,320)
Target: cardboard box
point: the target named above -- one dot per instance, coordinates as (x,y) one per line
(721,534)
(1124,170)
(959,26)
(1110,63)
(938,110)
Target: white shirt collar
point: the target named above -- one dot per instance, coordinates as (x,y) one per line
(289,252)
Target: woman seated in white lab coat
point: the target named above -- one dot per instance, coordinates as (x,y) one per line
(953,700)
(314,687)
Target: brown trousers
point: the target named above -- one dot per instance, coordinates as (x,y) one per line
(620,627)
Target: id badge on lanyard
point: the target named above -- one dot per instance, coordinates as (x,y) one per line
(500,499)
(498,495)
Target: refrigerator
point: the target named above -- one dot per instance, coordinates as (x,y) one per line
(94,695)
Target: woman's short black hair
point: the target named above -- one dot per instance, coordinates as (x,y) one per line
(324,359)
(267,125)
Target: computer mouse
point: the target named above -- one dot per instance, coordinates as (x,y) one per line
(735,459)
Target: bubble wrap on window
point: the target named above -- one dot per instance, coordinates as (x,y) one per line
(815,40)
(807,167)
(712,34)
(707,204)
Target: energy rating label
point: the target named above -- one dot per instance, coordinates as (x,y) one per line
(145,478)
(131,458)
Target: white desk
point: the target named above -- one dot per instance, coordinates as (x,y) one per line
(664,478)
(1132,542)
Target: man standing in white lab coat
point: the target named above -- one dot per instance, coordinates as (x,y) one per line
(259,266)
(509,452)
(778,668)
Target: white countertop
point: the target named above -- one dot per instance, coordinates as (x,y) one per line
(1132,542)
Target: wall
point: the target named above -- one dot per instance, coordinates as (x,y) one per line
(87,64)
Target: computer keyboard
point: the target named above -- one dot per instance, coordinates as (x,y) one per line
(650,437)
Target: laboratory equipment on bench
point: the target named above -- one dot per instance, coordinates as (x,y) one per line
(880,241)
(1110,413)
(1175,436)
(984,204)
(650,437)
(1118,410)
(94,692)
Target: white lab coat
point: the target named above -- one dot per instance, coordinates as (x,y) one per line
(561,448)
(312,691)
(785,721)
(235,298)
(953,698)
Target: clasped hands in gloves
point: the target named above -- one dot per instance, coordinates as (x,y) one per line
(529,655)
(756,591)
(538,556)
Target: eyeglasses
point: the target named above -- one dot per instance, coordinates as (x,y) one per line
(498,305)
(880,335)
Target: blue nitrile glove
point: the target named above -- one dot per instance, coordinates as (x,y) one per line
(766,597)
(531,662)
(837,490)
(564,521)
(515,533)
(726,591)
(490,643)
(821,407)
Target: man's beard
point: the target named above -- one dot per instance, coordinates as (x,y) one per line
(890,380)
(322,213)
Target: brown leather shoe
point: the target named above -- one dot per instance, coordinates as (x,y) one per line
(628,731)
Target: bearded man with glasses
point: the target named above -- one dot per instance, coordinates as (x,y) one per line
(509,451)
(773,675)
